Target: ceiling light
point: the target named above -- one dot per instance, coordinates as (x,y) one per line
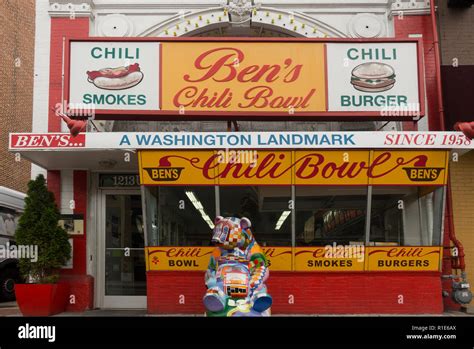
(282,219)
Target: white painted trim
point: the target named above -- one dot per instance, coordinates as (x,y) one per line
(67,191)
(41,74)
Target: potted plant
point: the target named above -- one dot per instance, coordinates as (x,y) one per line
(38,229)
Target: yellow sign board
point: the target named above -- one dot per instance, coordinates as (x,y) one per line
(331,167)
(197,258)
(243,77)
(178,258)
(179,167)
(279,258)
(340,258)
(409,167)
(404,258)
(316,259)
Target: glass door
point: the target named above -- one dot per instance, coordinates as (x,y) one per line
(122,259)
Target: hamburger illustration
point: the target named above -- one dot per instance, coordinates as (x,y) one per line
(373,77)
(119,78)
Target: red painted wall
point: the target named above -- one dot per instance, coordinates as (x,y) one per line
(53,181)
(320,293)
(61,28)
(422,25)
(81,284)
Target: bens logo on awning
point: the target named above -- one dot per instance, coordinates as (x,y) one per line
(417,174)
(164,172)
(420,173)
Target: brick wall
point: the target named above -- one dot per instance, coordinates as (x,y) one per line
(82,285)
(17,37)
(455,34)
(61,28)
(310,293)
(422,25)
(462,187)
(457,41)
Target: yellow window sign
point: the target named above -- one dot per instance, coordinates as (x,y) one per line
(279,258)
(197,258)
(329,258)
(317,259)
(404,258)
(178,258)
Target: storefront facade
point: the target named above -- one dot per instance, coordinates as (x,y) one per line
(351,221)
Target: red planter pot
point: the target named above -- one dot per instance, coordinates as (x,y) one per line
(42,299)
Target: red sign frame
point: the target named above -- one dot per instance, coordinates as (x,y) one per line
(174,115)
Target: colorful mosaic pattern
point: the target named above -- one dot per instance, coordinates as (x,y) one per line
(237,272)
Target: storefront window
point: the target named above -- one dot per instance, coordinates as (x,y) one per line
(406,216)
(180,216)
(327,215)
(267,207)
(400,215)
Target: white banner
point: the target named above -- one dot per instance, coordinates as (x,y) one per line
(239,140)
(114,75)
(373,77)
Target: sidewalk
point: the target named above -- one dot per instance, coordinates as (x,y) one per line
(11,309)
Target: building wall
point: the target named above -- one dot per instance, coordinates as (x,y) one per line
(457,59)
(17,34)
(462,187)
(457,62)
(356,293)
(455,34)
(311,293)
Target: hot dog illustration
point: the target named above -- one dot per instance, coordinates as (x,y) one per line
(119,78)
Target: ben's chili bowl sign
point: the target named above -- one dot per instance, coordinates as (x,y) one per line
(306,167)
(290,78)
(244,77)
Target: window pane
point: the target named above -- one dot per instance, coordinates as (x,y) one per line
(266,207)
(326,215)
(180,216)
(409,216)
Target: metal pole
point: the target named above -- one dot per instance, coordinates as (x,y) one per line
(368,215)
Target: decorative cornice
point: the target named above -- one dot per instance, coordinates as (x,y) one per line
(409,7)
(71,10)
(240,8)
